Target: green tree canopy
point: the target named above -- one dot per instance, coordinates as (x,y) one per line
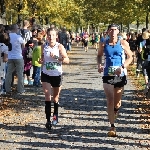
(81,12)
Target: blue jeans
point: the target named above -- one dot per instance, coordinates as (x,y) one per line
(36,75)
(69,47)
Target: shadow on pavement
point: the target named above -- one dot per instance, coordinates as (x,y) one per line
(84,105)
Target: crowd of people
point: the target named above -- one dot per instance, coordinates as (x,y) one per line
(45,50)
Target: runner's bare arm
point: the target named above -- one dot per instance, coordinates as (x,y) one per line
(126,47)
(64,57)
(100,54)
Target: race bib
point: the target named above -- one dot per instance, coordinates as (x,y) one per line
(51,65)
(148,57)
(111,70)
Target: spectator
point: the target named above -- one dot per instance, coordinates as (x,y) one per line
(27,56)
(63,38)
(15,60)
(4,39)
(34,37)
(139,57)
(85,41)
(133,46)
(25,33)
(35,60)
(69,42)
(96,40)
(104,37)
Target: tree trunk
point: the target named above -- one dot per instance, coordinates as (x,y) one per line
(147,20)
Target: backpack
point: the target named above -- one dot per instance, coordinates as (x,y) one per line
(25,35)
(22,31)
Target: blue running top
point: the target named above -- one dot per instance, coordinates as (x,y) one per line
(114,57)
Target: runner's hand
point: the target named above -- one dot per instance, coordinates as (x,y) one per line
(53,56)
(100,69)
(40,61)
(118,71)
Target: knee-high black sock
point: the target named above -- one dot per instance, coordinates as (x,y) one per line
(56,107)
(48,110)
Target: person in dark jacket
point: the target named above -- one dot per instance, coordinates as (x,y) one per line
(63,38)
(139,58)
(133,46)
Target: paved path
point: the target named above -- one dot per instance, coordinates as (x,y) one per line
(83,123)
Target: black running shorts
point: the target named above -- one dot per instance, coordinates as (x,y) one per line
(55,81)
(111,80)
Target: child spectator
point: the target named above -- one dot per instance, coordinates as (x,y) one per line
(4,40)
(36,56)
(27,56)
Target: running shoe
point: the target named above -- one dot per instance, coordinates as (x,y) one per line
(112,132)
(55,119)
(30,82)
(25,82)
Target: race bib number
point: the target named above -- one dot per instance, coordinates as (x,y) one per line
(51,65)
(111,70)
(148,57)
